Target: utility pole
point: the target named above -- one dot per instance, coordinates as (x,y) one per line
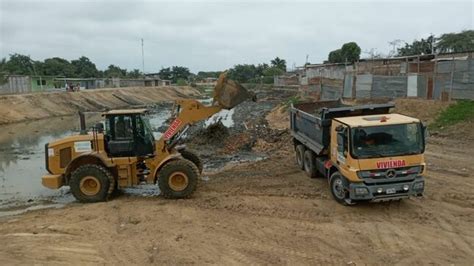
(432,43)
(394,44)
(143,59)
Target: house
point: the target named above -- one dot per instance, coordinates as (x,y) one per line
(153,80)
(43,83)
(83,83)
(432,76)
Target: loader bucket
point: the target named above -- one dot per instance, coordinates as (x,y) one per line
(229,93)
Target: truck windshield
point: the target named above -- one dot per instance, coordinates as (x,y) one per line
(390,140)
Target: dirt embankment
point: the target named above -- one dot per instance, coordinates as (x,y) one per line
(18,108)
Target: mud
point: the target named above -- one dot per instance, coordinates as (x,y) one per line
(265,212)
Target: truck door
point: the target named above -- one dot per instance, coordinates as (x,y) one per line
(342,144)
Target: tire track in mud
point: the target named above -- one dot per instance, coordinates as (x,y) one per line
(457,238)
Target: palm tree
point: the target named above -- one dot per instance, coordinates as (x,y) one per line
(279,63)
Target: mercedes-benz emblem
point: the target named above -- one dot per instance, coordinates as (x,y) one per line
(391,173)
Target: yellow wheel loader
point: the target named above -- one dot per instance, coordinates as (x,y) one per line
(124,153)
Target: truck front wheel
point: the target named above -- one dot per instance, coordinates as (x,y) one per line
(299,150)
(338,189)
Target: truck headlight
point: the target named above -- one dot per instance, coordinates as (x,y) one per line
(419,185)
(406,187)
(361,191)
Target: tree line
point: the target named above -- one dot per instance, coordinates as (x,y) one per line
(83,67)
(446,43)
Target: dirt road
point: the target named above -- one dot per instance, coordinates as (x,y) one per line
(266,212)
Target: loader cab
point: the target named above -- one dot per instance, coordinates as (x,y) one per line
(128,133)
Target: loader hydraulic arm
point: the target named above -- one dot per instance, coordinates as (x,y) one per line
(186,112)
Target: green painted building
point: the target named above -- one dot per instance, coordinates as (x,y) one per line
(42,83)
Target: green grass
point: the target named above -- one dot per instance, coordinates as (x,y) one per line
(290,101)
(455,113)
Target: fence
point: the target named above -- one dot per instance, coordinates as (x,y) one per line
(16,84)
(441,77)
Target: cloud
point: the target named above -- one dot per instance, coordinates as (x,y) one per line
(215,35)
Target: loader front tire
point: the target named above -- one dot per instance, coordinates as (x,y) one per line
(193,157)
(178,179)
(91,183)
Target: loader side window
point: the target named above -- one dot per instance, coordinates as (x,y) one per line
(119,136)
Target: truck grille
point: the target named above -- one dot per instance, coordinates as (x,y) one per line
(381,176)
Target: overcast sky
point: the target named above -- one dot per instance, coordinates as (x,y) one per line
(205,35)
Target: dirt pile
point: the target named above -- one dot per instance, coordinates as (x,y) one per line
(214,135)
(258,136)
(34,106)
(279,117)
(426,110)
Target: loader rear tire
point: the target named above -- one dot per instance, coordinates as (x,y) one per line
(299,150)
(193,157)
(91,183)
(178,179)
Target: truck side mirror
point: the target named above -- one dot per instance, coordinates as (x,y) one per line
(424,131)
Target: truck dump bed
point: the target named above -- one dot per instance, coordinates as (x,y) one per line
(310,122)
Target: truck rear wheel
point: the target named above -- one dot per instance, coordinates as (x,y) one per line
(299,150)
(178,179)
(91,183)
(193,157)
(309,164)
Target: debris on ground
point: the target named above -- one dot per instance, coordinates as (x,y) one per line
(279,117)
(214,134)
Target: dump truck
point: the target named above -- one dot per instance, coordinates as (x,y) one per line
(365,152)
(124,153)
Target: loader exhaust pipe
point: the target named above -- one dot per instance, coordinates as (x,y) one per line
(82,123)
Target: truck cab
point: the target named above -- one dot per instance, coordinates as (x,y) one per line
(377,157)
(365,152)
